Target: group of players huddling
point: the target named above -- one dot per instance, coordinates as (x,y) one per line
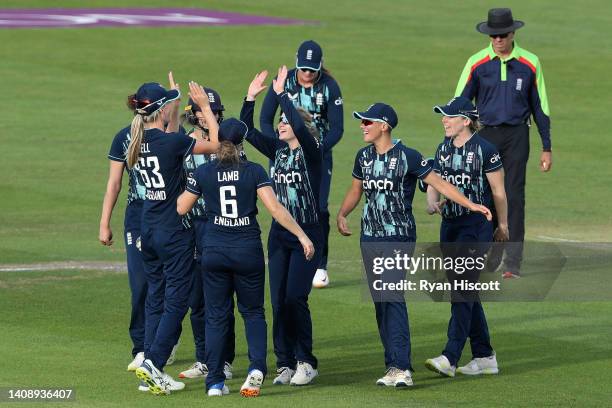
(193,240)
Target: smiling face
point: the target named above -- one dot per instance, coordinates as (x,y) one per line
(285,131)
(372,131)
(454,125)
(306,76)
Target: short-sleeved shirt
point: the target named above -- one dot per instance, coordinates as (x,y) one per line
(388,182)
(118,153)
(231,202)
(161,168)
(465,167)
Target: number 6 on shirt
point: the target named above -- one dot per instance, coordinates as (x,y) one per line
(231,202)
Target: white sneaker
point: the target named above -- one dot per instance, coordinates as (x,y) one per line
(394,377)
(284,376)
(484,365)
(227,370)
(197,370)
(304,374)
(173,385)
(172,357)
(143,386)
(218,390)
(320,279)
(136,362)
(440,365)
(153,377)
(252,384)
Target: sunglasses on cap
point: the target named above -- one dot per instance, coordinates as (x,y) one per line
(505,35)
(308,70)
(366,122)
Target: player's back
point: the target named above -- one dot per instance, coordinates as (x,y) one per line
(230,193)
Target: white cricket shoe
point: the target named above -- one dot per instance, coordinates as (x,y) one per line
(252,384)
(197,370)
(153,377)
(320,279)
(173,385)
(440,365)
(218,390)
(284,376)
(394,377)
(227,370)
(136,362)
(484,365)
(304,374)
(172,357)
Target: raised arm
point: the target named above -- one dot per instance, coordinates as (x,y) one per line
(309,143)
(268,111)
(284,218)
(113,188)
(196,92)
(266,144)
(174,122)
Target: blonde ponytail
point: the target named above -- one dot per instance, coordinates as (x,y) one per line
(136,134)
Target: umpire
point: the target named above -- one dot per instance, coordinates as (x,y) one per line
(508,85)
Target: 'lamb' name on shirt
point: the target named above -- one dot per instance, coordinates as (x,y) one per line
(232,222)
(228,176)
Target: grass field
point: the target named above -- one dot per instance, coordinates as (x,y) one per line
(63,100)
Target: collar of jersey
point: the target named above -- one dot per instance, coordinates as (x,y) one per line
(395,143)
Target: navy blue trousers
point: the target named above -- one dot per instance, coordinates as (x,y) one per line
(390,307)
(225,271)
(469,235)
(326,178)
(196,302)
(136,275)
(290,284)
(168,259)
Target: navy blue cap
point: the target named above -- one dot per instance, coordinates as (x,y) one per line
(458,106)
(309,56)
(232,130)
(213,98)
(152,96)
(379,112)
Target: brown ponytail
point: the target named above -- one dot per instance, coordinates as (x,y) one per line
(228,153)
(475,125)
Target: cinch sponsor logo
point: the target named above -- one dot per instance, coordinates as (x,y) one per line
(457,179)
(287,178)
(382,184)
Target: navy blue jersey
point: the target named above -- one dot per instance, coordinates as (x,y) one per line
(118,152)
(231,200)
(323,100)
(161,168)
(465,167)
(296,173)
(388,182)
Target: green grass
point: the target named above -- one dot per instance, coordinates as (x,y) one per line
(64,92)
